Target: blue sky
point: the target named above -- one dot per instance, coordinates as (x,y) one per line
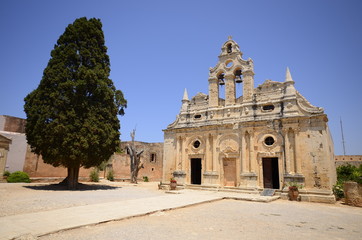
(158,48)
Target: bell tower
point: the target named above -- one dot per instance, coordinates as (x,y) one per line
(230,70)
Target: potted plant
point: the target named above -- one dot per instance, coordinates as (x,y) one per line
(173,184)
(293,192)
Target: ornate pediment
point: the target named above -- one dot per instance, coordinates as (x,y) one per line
(307,106)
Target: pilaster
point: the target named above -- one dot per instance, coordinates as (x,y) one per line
(248,88)
(213,92)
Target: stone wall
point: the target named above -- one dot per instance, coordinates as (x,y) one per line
(12,124)
(151,158)
(36,168)
(354,160)
(119,163)
(353,193)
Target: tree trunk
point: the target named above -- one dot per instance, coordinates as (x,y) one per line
(72,178)
(135,159)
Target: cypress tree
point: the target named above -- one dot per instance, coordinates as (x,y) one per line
(72,115)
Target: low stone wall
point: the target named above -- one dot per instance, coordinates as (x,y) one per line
(353,193)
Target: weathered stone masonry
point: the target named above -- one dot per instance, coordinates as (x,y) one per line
(269,136)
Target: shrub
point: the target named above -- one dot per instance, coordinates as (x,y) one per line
(356,176)
(349,173)
(6,173)
(338,190)
(145,178)
(346,173)
(94,175)
(110,175)
(18,176)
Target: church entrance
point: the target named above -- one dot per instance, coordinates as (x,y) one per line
(196,170)
(271,173)
(229,172)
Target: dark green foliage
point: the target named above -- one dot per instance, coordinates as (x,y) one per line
(110,175)
(72,115)
(346,173)
(6,174)
(145,178)
(18,176)
(94,175)
(349,173)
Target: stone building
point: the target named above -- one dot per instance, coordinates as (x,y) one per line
(151,158)
(266,138)
(12,154)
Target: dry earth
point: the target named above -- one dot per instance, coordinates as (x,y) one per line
(18,198)
(230,219)
(226,219)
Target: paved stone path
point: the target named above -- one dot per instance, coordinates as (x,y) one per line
(231,220)
(45,222)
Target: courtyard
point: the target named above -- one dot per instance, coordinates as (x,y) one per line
(208,216)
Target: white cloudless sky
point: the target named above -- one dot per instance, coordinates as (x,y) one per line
(159,48)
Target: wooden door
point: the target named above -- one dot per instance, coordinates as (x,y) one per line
(229,172)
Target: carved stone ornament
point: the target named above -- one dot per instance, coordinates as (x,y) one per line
(246,110)
(229,146)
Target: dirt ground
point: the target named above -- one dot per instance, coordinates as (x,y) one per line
(231,219)
(18,198)
(225,219)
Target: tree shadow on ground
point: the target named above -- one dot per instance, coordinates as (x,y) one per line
(81,187)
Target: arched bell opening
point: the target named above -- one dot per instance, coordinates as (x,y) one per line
(238,80)
(221,79)
(229,48)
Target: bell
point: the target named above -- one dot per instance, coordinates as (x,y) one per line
(238,79)
(221,82)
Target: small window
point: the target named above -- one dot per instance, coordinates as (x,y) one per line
(153,157)
(269,141)
(197,116)
(268,107)
(196,144)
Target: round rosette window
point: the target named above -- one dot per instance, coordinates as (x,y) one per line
(196,144)
(269,141)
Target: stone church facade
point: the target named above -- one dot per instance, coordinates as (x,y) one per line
(266,138)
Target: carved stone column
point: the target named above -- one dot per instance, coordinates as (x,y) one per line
(287,151)
(243,152)
(214,156)
(251,154)
(229,90)
(178,155)
(208,153)
(184,155)
(182,151)
(298,163)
